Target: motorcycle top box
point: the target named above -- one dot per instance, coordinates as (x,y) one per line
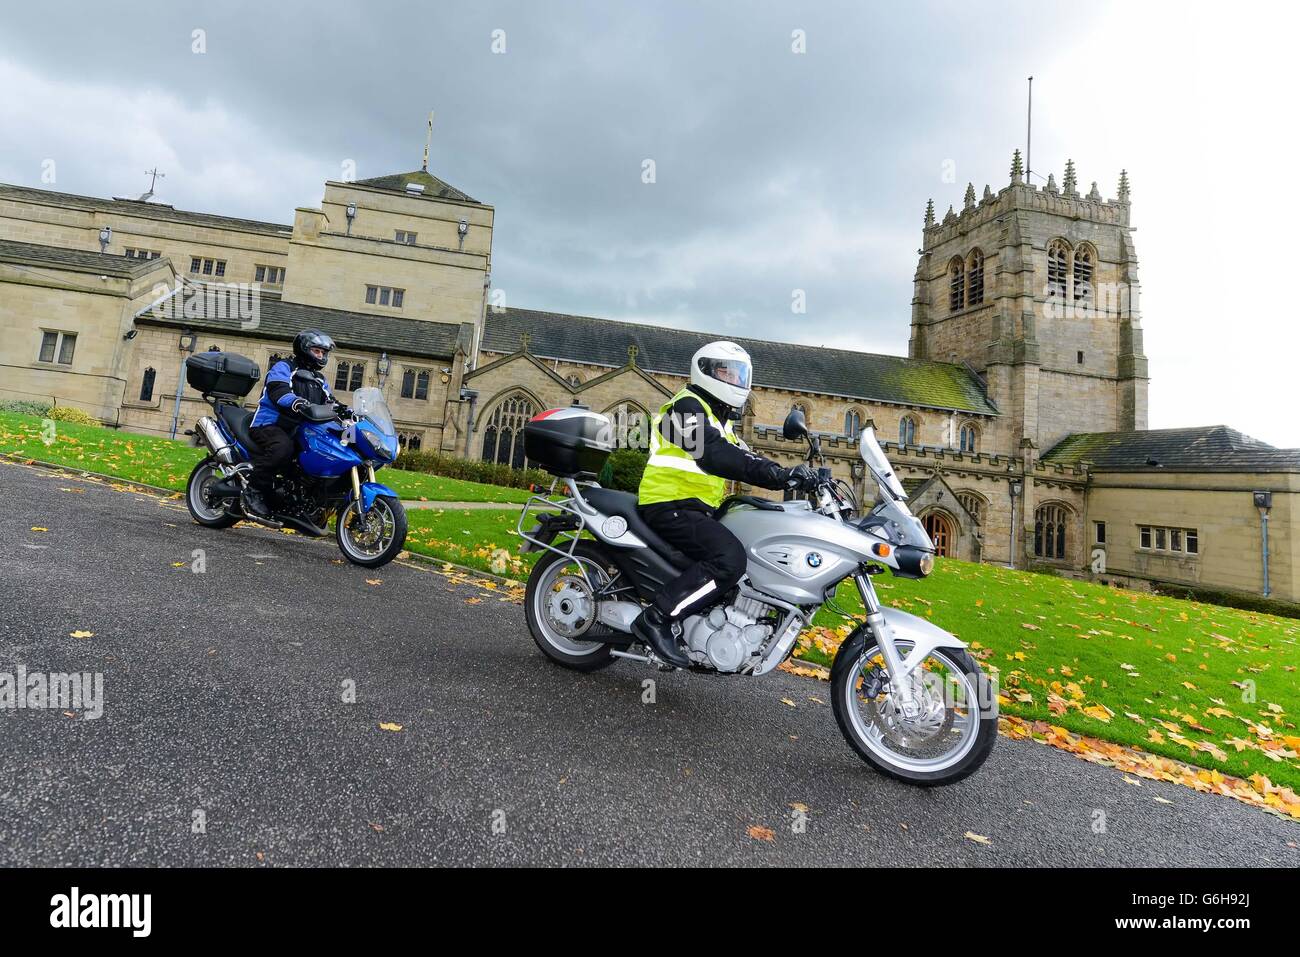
(569,442)
(222,374)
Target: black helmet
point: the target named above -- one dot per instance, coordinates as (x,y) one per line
(307,340)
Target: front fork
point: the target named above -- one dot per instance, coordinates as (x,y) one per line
(356,483)
(900,686)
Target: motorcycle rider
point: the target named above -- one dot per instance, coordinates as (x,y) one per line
(291,386)
(693,452)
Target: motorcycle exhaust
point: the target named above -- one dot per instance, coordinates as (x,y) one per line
(211,432)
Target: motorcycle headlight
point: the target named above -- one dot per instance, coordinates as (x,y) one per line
(913,562)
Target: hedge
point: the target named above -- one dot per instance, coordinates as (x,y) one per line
(1229,599)
(471,470)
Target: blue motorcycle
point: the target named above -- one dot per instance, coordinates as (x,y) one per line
(333,474)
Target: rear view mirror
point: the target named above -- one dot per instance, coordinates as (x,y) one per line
(795,427)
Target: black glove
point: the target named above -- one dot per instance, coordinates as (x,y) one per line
(341,410)
(801,477)
(300,406)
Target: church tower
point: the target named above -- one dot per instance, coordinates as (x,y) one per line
(1037,291)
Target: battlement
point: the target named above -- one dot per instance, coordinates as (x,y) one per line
(1065,200)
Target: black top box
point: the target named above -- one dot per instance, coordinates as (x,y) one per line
(569,442)
(222,373)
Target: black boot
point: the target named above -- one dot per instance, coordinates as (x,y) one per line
(655,629)
(254,505)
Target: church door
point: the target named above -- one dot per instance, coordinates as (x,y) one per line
(939,529)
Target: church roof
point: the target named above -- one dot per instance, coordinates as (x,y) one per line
(77,260)
(777,365)
(134,207)
(1211,448)
(284,320)
(433,187)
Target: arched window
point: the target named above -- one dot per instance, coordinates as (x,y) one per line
(573,379)
(968,436)
(1084,262)
(1058,268)
(1049,531)
(975,278)
(410,441)
(146,385)
(503,438)
(853,423)
(907,430)
(956,285)
(631,425)
(974,504)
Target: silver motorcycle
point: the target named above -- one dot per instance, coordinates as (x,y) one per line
(908,697)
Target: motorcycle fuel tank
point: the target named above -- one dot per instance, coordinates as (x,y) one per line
(795,553)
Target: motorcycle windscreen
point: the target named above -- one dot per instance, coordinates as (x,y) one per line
(368,403)
(876,460)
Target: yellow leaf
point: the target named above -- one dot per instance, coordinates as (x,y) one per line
(81,634)
(977,838)
(389,726)
(39,528)
(1098,712)
(374,581)
(760,833)
(788,701)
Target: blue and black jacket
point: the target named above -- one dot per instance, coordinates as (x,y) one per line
(280,391)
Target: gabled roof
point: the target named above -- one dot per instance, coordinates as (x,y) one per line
(433,187)
(134,207)
(284,320)
(777,365)
(1211,448)
(77,260)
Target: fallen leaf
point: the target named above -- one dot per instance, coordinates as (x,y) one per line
(374,581)
(977,838)
(81,634)
(389,726)
(38,528)
(788,701)
(760,833)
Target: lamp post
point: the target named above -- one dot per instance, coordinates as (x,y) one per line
(1264,502)
(186,346)
(1015,488)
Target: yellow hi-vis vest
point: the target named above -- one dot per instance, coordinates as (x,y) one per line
(672,473)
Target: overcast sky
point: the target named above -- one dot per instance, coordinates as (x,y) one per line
(775,170)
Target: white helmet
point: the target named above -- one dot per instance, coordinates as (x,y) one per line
(723,369)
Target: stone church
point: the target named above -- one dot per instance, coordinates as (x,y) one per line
(1018,420)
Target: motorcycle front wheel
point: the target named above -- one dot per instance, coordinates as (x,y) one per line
(950,736)
(372,538)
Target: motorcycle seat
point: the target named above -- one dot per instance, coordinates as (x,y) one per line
(624,504)
(237,419)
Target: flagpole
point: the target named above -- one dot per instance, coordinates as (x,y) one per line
(1029,136)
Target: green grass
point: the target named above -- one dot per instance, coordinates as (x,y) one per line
(1058,647)
(167,464)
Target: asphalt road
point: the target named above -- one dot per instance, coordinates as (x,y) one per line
(223,694)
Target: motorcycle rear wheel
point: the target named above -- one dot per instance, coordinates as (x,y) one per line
(201,510)
(560,610)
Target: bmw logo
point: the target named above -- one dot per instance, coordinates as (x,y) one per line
(815,559)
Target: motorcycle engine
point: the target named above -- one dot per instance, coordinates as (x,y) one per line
(728,638)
